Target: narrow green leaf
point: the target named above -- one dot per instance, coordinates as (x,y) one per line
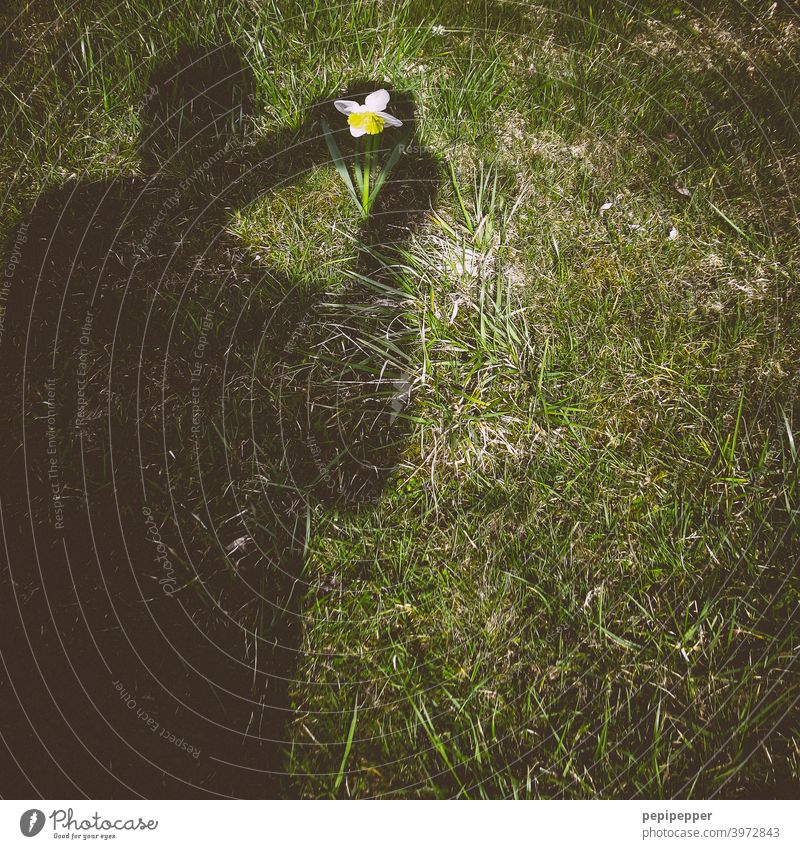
(338,161)
(347,748)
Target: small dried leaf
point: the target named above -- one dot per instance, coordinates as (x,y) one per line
(238,543)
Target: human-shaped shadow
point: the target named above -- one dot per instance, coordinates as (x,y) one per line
(177,411)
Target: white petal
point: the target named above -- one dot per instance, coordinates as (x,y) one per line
(377,100)
(346,106)
(357,131)
(390,119)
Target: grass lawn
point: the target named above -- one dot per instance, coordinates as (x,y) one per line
(574,572)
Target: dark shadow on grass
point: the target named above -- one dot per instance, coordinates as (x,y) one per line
(176,412)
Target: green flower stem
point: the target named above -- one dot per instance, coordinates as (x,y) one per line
(367,162)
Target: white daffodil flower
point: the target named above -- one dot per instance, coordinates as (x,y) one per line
(370,117)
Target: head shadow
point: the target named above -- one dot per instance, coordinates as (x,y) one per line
(196,103)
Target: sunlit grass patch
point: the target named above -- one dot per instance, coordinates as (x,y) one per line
(304,231)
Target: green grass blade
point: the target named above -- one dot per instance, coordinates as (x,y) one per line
(347,747)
